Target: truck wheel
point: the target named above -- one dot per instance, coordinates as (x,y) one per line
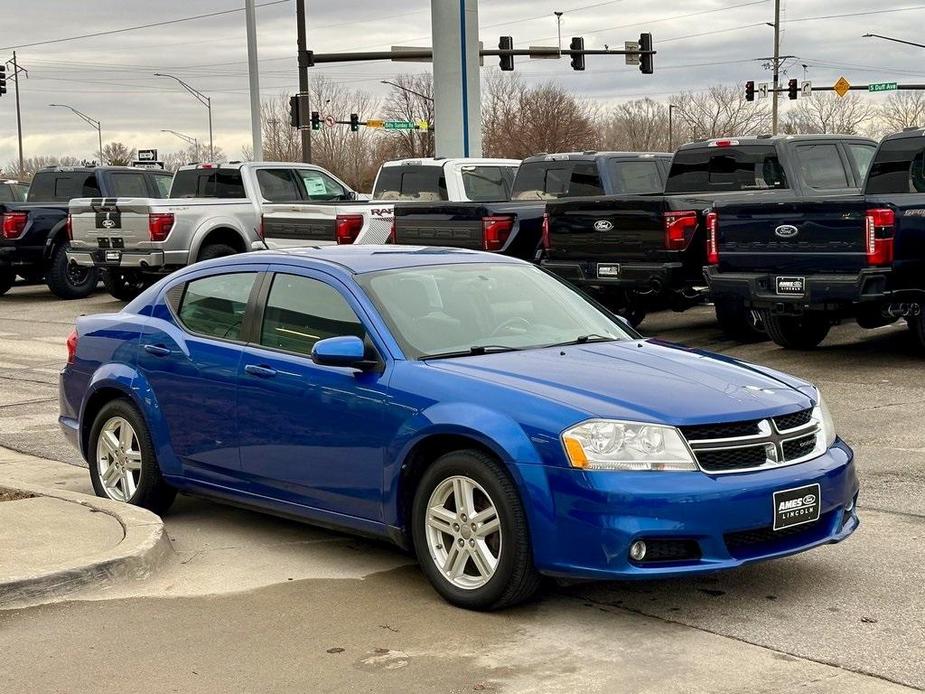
(797,332)
(216,250)
(739,322)
(69,281)
(123,287)
(6,280)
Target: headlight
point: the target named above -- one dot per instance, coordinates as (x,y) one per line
(607,444)
(824,417)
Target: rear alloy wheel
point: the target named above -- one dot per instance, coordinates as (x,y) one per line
(6,280)
(739,322)
(797,332)
(69,281)
(470,533)
(123,466)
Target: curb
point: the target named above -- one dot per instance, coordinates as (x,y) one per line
(144,547)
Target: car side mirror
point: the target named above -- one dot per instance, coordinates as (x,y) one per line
(346,350)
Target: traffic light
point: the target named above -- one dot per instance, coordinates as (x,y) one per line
(2,80)
(646,62)
(792,89)
(316,120)
(507,61)
(294,119)
(354,123)
(750,90)
(578,59)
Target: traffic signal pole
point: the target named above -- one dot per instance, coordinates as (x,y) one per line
(303,79)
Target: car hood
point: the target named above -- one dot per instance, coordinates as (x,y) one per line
(642,380)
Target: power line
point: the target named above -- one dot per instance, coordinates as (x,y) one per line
(141,26)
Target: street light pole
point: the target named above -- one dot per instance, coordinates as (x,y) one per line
(201,98)
(301,42)
(189,139)
(890,38)
(405,89)
(559,30)
(776,66)
(671,108)
(90,121)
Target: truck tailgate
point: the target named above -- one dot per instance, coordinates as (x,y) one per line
(110,222)
(793,236)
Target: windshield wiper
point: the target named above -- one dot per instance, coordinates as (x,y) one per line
(473,351)
(585,339)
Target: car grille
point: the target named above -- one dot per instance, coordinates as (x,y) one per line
(752,444)
(757,541)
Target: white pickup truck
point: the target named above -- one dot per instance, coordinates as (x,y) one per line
(214,210)
(402,180)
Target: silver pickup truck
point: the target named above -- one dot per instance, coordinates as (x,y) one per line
(214,210)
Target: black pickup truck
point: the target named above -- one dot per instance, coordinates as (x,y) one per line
(637,252)
(807,264)
(517,227)
(34,233)
(13,191)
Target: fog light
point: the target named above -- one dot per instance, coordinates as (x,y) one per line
(849,507)
(638,550)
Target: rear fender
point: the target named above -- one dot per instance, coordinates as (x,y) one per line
(56,237)
(213,223)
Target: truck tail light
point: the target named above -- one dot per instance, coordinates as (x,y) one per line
(347,228)
(544,242)
(712,240)
(14,223)
(496,231)
(391,237)
(72,346)
(69,228)
(159,225)
(880,224)
(679,229)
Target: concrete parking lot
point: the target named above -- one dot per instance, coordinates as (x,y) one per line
(253,603)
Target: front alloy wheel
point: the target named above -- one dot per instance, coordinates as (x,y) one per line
(118,459)
(463,532)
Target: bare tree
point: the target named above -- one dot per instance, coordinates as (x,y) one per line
(117,154)
(411,100)
(828,113)
(637,126)
(33,164)
(518,121)
(192,155)
(719,111)
(902,110)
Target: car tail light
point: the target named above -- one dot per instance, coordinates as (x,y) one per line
(679,229)
(159,225)
(712,241)
(14,223)
(72,346)
(545,243)
(495,232)
(347,228)
(69,228)
(880,226)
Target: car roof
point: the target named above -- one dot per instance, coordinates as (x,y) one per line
(592,156)
(441,161)
(360,259)
(769,139)
(906,133)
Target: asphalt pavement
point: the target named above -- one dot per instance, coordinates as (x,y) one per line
(254,603)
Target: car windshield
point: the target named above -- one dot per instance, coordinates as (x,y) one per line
(455,310)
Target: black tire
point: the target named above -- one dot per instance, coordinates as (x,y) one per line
(123,287)
(69,281)
(797,332)
(739,322)
(215,250)
(917,326)
(152,492)
(623,304)
(515,579)
(6,280)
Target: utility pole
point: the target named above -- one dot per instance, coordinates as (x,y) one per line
(303,80)
(253,78)
(671,108)
(776,67)
(16,71)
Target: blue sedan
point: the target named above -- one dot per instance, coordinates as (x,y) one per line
(467,406)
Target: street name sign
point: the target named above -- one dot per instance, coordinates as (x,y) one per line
(882,87)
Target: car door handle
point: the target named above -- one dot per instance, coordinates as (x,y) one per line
(157,350)
(260,371)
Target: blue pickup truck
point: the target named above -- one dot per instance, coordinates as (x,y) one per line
(34,233)
(808,264)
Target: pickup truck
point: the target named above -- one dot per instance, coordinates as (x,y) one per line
(34,236)
(808,264)
(637,251)
(212,210)
(13,191)
(517,226)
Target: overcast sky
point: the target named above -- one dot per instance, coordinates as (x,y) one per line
(700,42)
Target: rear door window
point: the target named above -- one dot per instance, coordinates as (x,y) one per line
(127,184)
(487,183)
(418,183)
(898,167)
(215,306)
(62,186)
(862,155)
(720,169)
(278,185)
(548,180)
(208,183)
(635,176)
(320,187)
(821,166)
(162,184)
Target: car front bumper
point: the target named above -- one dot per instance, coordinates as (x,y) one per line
(583,523)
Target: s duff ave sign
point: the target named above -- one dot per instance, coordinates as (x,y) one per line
(882,87)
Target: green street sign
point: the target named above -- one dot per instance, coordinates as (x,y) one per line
(882,87)
(399,125)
